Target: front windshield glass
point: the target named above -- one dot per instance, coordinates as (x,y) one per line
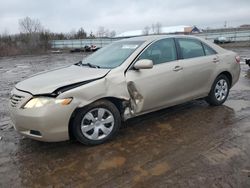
(112,55)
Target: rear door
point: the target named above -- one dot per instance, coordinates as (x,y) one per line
(198,62)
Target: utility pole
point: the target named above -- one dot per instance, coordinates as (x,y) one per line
(225,24)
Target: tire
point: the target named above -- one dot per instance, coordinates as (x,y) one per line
(219,91)
(96,123)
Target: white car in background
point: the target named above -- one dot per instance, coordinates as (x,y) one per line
(222,40)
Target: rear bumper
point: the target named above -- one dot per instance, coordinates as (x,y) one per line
(48,123)
(236,77)
(236,74)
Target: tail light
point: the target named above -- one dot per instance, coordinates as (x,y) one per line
(237,58)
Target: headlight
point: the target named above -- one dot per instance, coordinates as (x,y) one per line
(42,101)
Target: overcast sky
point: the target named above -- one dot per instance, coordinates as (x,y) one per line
(122,15)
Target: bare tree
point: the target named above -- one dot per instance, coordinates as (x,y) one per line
(146,30)
(112,34)
(106,33)
(153,28)
(91,35)
(5,43)
(158,28)
(71,34)
(81,34)
(101,32)
(33,36)
(5,32)
(29,26)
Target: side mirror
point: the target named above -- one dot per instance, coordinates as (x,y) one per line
(143,64)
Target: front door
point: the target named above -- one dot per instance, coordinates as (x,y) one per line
(160,86)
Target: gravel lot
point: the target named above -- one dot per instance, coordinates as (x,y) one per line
(189,145)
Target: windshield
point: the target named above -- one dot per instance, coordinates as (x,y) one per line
(112,55)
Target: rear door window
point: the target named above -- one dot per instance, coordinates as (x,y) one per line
(190,48)
(161,51)
(208,50)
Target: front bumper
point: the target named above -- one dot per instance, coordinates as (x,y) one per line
(48,123)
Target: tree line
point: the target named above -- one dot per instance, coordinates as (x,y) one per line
(34,38)
(154,29)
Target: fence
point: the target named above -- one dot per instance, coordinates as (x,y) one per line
(81,43)
(235,36)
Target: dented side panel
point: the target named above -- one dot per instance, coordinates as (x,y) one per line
(154,88)
(136,99)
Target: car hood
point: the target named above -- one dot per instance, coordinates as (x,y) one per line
(48,82)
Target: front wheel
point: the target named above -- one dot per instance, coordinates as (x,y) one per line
(96,123)
(219,91)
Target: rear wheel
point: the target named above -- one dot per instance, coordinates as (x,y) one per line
(96,123)
(219,91)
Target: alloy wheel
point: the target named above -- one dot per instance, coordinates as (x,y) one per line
(221,90)
(97,124)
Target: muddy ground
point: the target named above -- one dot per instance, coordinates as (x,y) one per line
(190,145)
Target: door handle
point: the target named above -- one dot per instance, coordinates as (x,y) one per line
(177,68)
(216,60)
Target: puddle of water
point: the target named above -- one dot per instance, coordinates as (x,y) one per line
(247,75)
(222,155)
(237,105)
(246,171)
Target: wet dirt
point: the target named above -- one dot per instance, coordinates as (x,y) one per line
(189,145)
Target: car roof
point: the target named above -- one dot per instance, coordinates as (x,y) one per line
(150,38)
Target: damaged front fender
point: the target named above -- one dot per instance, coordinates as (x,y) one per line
(112,86)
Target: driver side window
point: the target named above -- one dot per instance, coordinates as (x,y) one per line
(161,51)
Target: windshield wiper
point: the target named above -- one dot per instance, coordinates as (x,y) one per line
(92,65)
(87,64)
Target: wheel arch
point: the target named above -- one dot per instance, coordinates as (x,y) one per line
(228,75)
(118,102)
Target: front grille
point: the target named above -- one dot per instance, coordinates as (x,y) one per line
(15,100)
